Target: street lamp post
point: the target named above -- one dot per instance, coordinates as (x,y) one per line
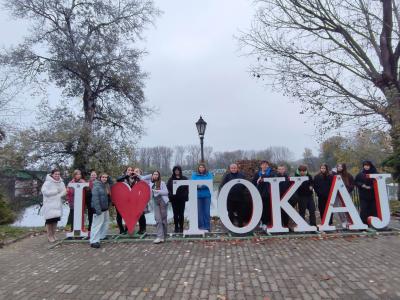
(201,129)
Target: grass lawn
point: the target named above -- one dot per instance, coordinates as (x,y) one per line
(8,232)
(394,206)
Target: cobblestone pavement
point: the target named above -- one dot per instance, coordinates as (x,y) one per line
(311,268)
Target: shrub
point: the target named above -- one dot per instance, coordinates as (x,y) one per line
(6,214)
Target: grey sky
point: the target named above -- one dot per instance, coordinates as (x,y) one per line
(196,69)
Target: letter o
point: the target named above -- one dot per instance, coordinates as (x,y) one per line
(223,211)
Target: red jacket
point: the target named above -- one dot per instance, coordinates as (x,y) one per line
(70,193)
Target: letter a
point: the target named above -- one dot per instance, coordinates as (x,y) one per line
(339,189)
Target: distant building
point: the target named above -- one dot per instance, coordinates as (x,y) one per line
(21,184)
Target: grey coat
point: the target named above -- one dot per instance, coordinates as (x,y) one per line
(100,199)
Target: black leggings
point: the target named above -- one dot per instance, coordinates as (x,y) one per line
(321,207)
(266,217)
(178,207)
(307,202)
(90,217)
(123,229)
(237,211)
(284,216)
(367,209)
(71,218)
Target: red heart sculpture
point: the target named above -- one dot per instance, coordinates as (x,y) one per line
(130,202)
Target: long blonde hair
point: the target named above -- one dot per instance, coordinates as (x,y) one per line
(106,185)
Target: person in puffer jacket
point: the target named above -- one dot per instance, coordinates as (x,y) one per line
(305,196)
(53,189)
(101,199)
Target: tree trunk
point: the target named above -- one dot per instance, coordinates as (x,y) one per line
(81,158)
(394,160)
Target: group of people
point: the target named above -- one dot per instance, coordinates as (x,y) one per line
(98,201)
(98,197)
(239,201)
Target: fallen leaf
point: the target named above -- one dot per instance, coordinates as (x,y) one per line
(326,277)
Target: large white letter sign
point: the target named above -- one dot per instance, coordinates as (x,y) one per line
(278,204)
(78,224)
(193,209)
(223,211)
(381,200)
(339,189)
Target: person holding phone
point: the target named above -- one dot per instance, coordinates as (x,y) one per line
(159,194)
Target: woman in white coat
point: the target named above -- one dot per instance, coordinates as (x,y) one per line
(53,190)
(159,194)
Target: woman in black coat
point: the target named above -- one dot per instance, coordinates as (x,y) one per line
(179,199)
(366,191)
(322,186)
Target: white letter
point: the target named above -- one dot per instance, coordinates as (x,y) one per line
(278,204)
(78,223)
(222,206)
(339,189)
(193,209)
(381,200)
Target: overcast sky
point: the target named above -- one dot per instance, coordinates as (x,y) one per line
(196,69)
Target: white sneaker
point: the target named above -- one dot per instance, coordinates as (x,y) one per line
(158,241)
(345,225)
(264,227)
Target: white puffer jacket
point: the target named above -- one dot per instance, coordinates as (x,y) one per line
(52,191)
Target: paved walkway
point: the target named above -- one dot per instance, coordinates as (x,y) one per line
(312,268)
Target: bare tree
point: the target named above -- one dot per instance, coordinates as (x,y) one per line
(310,160)
(340,58)
(192,156)
(86,49)
(179,155)
(280,154)
(9,88)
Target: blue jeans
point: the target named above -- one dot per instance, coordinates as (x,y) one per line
(203,206)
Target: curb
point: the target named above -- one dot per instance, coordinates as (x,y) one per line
(223,236)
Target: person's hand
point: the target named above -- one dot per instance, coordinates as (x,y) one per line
(259,180)
(366,187)
(311,188)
